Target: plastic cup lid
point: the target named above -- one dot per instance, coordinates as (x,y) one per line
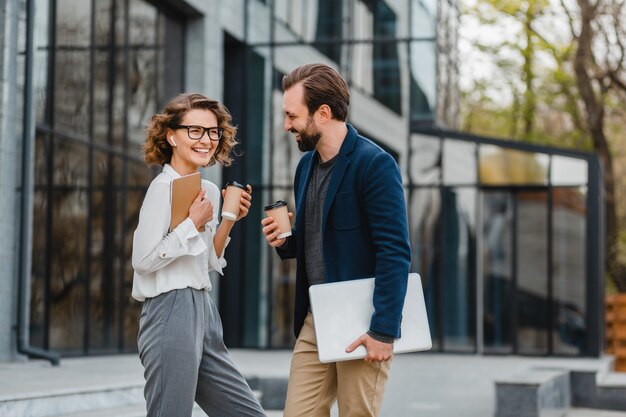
(277,204)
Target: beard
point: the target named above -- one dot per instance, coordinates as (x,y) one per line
(309,136)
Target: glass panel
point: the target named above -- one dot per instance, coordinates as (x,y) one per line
(497,257)
(101,96)
(568,171)
(131,308)
(73,23)
(568,264)
(142,24)
(40,245)
(423,18)
(459,162)
(386,62)
(285,152)
(294,20)
(424,212)
(502,166)
(103,23)
(425,163)
(69,231)
(283,285)
(329,30)
(126,86)
(71,97)
(423,79)
(40,64)
(142,97)
(258,26)
(532,273)
(284,159)
(458,277)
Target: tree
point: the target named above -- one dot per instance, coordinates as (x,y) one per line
(600,69)
(568,88)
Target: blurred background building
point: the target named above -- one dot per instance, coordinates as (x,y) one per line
(507,237)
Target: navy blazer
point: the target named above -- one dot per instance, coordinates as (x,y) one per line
(364,229)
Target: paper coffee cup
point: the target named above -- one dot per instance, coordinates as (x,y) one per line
(279,212)
(232,200)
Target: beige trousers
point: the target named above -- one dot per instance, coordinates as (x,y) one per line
(313,387)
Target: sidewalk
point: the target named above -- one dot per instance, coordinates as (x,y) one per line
(422,384)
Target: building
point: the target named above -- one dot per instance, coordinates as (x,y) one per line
(505,236)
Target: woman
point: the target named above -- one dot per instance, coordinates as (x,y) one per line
(180,331)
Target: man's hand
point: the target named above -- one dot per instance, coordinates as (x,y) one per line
(271,232)
(376,351)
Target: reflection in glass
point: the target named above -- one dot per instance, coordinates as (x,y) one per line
(73,23)
(532,273)
(284,159)
(386,62)
(143,21)
(423,80)
(459,162)
(497,268)
(84,254)
(459,283)
(569,265)
(423,18)
(425,163)
(329,28)
(503,166)
(568,171)
(424,211)
(295,20)
(69,226)
(71,104)
(39,250)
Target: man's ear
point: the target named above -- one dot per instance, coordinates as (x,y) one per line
(325,113)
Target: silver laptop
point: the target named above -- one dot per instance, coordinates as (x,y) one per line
(342,312)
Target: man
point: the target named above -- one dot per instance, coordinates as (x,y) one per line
(351,223)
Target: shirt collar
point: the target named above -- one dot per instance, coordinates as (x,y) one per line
(169,170)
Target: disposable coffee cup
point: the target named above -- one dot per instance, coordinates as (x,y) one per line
(232,200)
(279,212)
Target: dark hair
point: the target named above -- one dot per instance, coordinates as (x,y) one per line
(322,85)
(157,150)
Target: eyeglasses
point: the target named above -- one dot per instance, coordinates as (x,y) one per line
(196,132)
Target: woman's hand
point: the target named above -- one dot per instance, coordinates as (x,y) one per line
(201,210)
(245,203)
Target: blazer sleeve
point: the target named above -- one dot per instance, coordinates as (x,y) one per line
(385,209)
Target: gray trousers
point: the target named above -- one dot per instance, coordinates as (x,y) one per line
(182,350)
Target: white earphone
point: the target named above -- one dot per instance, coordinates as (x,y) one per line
(172,139)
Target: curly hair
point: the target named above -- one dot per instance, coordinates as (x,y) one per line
(157,150)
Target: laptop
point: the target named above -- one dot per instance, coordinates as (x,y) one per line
(342,312)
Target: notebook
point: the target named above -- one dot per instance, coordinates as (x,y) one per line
(184,190)
(342,312)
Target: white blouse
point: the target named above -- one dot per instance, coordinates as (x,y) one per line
(182,258)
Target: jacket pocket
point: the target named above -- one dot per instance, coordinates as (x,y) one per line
(346,212)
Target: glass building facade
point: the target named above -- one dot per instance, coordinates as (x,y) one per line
(504,236)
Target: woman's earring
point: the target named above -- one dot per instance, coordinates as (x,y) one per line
(172,139)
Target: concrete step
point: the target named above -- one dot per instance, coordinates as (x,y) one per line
(64,401)
(533,393)
(604,391)
(588,412)
(140,411)
(93,387)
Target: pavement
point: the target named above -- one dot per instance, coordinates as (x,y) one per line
(420,384)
